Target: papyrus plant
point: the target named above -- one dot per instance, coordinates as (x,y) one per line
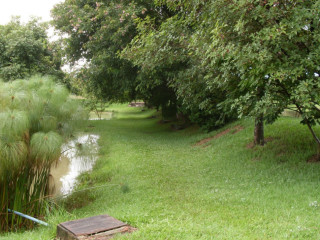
(36,115)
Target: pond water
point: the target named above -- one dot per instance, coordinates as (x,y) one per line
(77,156)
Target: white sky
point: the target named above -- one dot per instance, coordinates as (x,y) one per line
(25,9)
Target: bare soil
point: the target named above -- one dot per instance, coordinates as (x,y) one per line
(233,130)
(237,129)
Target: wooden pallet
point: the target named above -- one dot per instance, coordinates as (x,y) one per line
(101,227)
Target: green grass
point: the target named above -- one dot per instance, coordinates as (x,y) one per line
(101,116)
(158,181)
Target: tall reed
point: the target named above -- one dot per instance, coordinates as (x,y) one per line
(36,115)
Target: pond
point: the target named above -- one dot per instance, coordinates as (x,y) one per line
(77,156)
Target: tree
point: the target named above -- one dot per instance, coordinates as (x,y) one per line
(25,51)
(270,49)
(163,49)
(96,31)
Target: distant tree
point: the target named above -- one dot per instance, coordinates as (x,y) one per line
(96,31)
(25,50)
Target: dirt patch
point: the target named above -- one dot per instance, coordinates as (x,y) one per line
(314,159)
(233,130)
(266,140)
(206,140)
(237,129)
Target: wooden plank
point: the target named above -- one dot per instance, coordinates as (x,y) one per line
(92,225)
(109,234)
(64,234)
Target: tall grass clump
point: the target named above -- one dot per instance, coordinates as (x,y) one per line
(36,115)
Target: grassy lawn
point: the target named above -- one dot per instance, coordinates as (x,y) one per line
(161,182)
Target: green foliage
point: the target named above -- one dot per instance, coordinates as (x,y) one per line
(35,116)
(13,123)
(269,49)
(25,51)
(97,31)
(164,53)
(13,155)
(45,147)
(261,55)
(212,60)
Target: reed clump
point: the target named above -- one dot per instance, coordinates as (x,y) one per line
(36,116)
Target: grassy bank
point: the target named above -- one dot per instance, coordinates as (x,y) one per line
(170,186)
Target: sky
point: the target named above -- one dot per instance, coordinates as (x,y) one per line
(25,9)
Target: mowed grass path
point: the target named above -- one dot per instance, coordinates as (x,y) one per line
(172,189)
(158,181)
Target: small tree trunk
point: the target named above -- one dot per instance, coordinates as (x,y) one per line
(259,131)
(314,135)
(317,141)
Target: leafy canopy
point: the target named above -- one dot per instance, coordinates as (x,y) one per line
(25,50)
(97,32)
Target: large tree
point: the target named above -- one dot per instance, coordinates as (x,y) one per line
(271,50)
(25,50)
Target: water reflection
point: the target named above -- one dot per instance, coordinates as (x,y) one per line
(78,156)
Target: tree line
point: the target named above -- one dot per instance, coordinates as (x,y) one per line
(211,61)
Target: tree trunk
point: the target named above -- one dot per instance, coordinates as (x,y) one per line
(317,141)
(314,135)
(259,131)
